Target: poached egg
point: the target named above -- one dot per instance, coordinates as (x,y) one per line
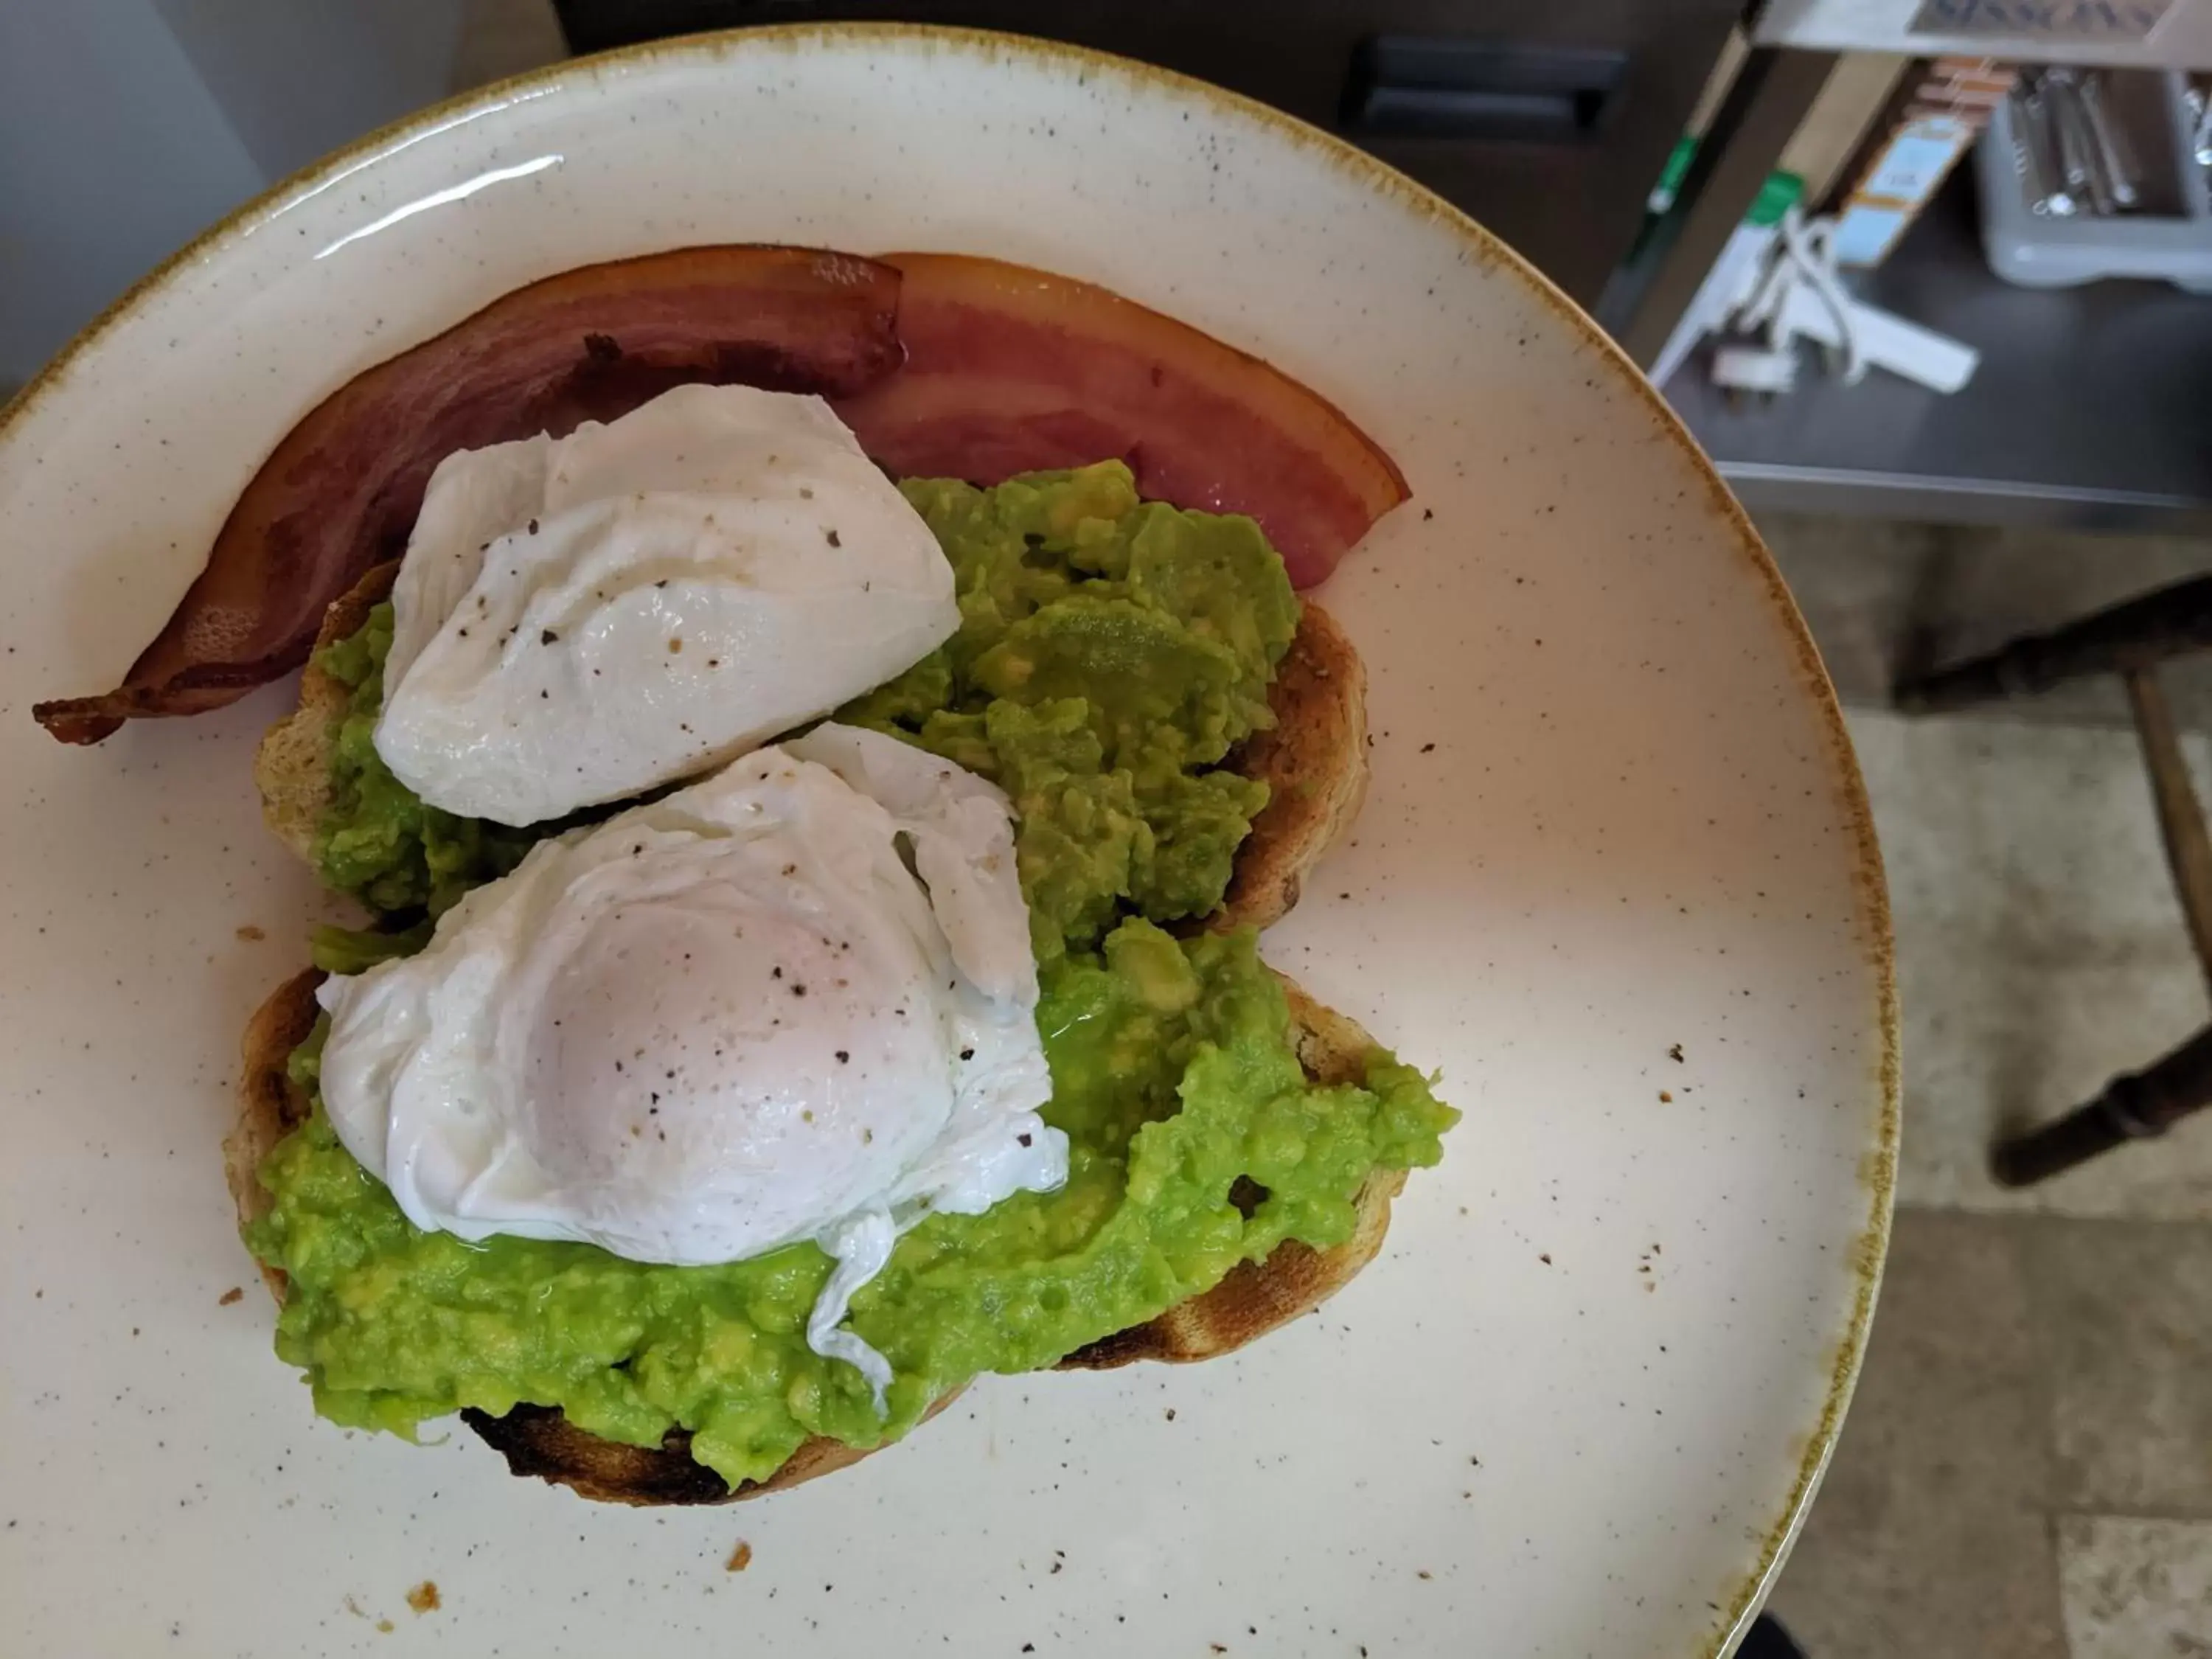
(794,1000)
(581,620)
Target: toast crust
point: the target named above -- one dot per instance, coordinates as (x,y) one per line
(292,766)
(1313,761)
(538,1440)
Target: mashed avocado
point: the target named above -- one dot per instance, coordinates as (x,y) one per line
(1110,654)
(380,841)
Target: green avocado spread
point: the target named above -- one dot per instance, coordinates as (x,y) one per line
(1111,653)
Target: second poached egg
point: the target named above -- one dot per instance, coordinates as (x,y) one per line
(794,1000)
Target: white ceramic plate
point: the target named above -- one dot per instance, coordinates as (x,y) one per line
(1614,877)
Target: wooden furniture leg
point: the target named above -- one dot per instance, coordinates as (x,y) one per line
(2131,1108)
(2128,637)
(2147,1102)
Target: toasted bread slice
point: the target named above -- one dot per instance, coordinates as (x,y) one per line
(1254,1299)
(1314,760)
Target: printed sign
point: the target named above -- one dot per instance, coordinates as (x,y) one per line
(2043,20)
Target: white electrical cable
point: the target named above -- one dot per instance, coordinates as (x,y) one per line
(1804,253)
(1812,250)
(1788,291)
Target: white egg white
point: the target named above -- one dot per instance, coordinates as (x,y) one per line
(795,1000)
(581,620)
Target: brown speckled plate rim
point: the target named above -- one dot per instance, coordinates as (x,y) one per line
(1878,1170)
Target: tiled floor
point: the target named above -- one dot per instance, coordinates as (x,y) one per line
(1932,1536)
(2026,1470)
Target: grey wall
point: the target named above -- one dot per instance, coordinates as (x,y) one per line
(299,77)
(127,126)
